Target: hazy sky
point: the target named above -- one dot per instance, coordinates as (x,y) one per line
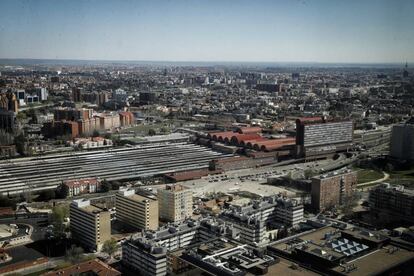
(175,30)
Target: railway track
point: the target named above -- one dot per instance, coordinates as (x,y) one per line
(47,172)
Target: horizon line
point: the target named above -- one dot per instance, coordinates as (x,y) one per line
(214,61)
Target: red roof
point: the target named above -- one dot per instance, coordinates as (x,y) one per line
(238,138)
(221,135)
(97,267)
(189,175)
(249,130)
(309,119)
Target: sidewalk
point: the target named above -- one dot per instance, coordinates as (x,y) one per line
(370,183)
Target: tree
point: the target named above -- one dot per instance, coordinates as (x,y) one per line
(115,185)
(106,186)
(62,192)
(74,254)
(59,213)
(116,140)
(96,133)
(21,116)
(152,132)
(32,114)
(349,203)
(20,142)
(110,247)
(5,138)
(308,173)
(289,178)
(46,195)
(6,202)
(164,130)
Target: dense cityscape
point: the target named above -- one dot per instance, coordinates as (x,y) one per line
(206,168)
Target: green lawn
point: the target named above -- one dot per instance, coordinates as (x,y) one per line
(405,178)
(365,175)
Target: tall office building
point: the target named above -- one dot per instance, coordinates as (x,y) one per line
(136,210)
(317,136)
(89,224)
(332,189)
(402,141)
(175,203)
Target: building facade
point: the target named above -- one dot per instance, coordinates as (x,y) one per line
(402,141)
(82,186)
(89,224)
(175,203)
(316,136)
(392,203)
(332,189)
(136,210)
(145,256)
(148,254)
(255,222)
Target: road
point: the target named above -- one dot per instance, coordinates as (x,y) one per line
(38,231)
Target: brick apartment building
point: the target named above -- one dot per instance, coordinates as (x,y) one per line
(332,189)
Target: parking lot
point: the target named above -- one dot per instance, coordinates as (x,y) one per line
(254,180)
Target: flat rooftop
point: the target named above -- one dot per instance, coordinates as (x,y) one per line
(316,236)
(378,261)
(92,209)
(175,187)
(140,198)
(285,267)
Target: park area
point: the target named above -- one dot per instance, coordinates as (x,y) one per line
(368,175)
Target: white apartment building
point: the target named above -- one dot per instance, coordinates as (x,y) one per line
(175,203)
(89,224)
(136,210)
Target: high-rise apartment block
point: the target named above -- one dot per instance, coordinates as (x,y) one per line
(136,210)
(89,224)
(332,189)
(402,141)
(175,203)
